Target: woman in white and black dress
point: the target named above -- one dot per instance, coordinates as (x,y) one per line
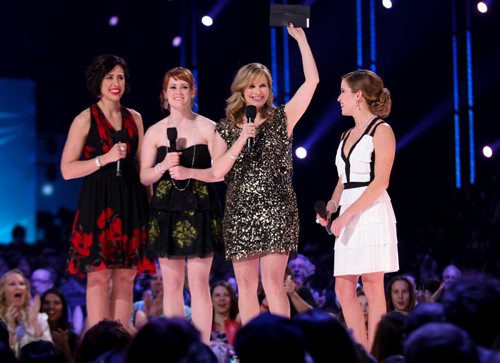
(366,243)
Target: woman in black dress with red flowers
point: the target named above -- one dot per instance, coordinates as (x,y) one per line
(109,236)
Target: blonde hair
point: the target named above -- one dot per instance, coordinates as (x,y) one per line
(378,98)
(235,104)
(3,299)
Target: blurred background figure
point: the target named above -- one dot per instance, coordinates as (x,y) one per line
(42,279)
(175,339)
(105,336)
(400,295)
(151,305)
(270,338)
(41,351)
(389,336)
(53,303)
(25,323)
(363,301)
(440,342)
(226,321)
(450,274)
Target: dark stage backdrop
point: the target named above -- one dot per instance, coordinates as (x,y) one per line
(51,43)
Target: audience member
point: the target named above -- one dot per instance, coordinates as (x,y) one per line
(299,296)
(389,336)
(24,322)
(42,279)
(425,291)
(4,266)
(6,354)
(320,329)
(164,337)
(19,240)
(440,342)
(74,290)
(424,313)
(473,303)
(226,320)
(277,339)
(107,335)
(363,301)
(400,294)
(450,274)
(151,305)
(428,267)
(54,304)
(4,332)
(41,351)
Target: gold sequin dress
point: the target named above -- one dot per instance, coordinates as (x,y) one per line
(261,214)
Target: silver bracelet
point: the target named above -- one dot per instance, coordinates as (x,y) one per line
(97,162)
(231,155)
(158,169)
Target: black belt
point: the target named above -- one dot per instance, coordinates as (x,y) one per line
(351,185)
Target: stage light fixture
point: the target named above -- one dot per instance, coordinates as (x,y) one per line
(207,20)
(482,7)
(387,4)
(301,152)
(487,151)
(47,189)
(114,20)
(176,41)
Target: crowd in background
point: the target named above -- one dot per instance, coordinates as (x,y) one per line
(452,283)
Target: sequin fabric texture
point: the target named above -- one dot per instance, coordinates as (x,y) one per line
(261,214)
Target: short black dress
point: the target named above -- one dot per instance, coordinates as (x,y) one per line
(110,227)
(186,215)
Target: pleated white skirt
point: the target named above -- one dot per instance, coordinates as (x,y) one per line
(369,242)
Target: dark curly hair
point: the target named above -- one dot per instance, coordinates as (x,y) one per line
(101,66)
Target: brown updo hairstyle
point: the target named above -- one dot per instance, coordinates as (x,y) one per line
(100,66)
(177,73)
(378,98)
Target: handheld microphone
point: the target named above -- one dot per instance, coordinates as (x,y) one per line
(250,113)
(320,208)
(172,138)
(118,137)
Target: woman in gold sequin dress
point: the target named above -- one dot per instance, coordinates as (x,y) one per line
(261,219)
(186,215)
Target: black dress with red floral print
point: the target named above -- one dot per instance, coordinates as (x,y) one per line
(110,227)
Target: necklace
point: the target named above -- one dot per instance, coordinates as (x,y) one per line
(365,123)
(192,162)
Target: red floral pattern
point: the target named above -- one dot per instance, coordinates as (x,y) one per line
(110,228)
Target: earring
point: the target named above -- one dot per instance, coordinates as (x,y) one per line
(165,104)
(357,106)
